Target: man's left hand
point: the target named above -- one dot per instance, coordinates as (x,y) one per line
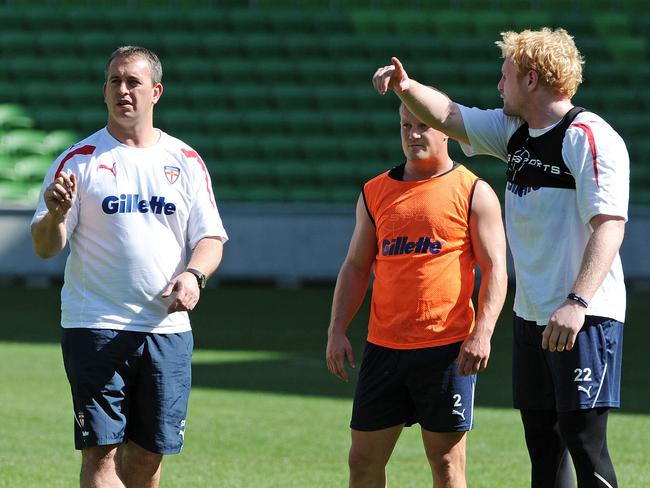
(563,327)
(185,292)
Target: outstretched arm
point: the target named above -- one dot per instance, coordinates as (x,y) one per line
(565,323)
(489,245)
(351,286)
(49,235)
(431,106)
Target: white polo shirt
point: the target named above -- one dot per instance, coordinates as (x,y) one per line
(136,212)
(548,228)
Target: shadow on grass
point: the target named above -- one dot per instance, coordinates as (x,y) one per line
(286,328)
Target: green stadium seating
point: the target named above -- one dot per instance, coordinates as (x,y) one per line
(527,19)
(263,121)
(452,23)
(248,20)
(22,142)
(277,96)
(304,45)
(15,41)
(32,168)
(611,24)
(292,96)
(487,24)
(300,122)
(57,141)
(261,46)
(247,96)
(293,174)
(627,50)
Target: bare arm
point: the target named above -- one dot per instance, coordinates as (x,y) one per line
(568,319)
(49,235)
(431,106)
(206,257)
(489,245)
(351,286)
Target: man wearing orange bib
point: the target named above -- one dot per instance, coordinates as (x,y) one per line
(424,225)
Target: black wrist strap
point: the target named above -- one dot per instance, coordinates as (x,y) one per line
(579,299)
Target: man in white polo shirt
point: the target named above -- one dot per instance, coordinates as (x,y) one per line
(566,207)
(131,201)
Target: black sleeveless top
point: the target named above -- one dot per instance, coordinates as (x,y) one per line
(537,161)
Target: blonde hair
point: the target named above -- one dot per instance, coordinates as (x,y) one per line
(551,53)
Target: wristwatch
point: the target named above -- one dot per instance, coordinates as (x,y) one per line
(200,277)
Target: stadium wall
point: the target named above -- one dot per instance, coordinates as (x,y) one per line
(282,244)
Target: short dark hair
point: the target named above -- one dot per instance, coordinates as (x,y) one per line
(149,55)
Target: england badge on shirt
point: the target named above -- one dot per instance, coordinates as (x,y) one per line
(172,173)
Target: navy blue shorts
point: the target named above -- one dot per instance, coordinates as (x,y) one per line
(588,376)
(128,386)
(411,386)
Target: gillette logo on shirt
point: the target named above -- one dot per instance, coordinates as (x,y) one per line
(402,245)
(132,203)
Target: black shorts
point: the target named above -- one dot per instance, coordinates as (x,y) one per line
(404,387)
(588,376)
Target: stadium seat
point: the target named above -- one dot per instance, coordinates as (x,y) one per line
(202,94)
(97,43)
(86,19)
(578,25)
(261,46)
(487,24)
(263,121)
(242,70)
(249,95)
(276,70)
(264,193)
(55,43)
(178,44)
(14,116)
(191,70)
(29,68)
(16,41)
(342,122)
(33,168)
(22,142)
(611,24)
(317,71)
(332,97)
(221,45)
(627,50)
(344,46)
(74,94)
(250,173)
(530,19)
(73,68)
(205,20)
(372,21)
(291,174)
(330,22)
(292,96)
(163,19)
(300,122)
(223,121)
(235,146)
(299,46)
(452,23)
(289,21)
(57,141)
(246,20)
(319,148)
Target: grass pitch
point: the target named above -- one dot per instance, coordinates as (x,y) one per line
(264,411)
